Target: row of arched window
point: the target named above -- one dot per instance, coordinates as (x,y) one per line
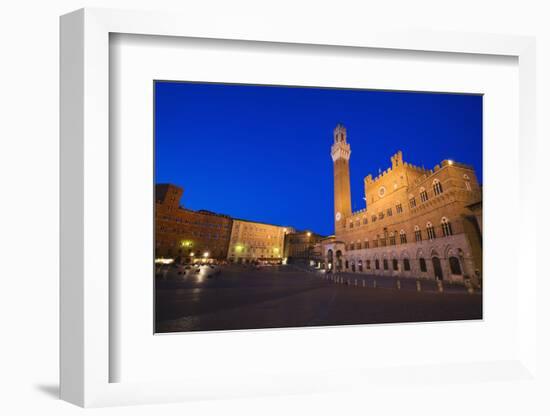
(381,241)
(437,190)
(454,265)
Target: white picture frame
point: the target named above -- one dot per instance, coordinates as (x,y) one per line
(85,211)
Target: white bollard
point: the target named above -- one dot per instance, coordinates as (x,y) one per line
(440,286)
(398,284)
(374,284)
(418,286)
(363,283)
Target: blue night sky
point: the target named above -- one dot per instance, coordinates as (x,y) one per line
(263,153)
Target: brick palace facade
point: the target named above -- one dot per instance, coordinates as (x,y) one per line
(416,222)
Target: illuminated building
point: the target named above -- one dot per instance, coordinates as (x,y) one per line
(300,246)
(256,242)
(417,222)
(188,235)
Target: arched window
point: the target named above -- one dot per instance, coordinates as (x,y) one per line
(430,231)
(423,195)
(367,264)
(398,207)
(377,264)
(395,264)
(446,227)
(366,245)
(406,265)
(417,233)
(392,238)
(454,265)
(365,220)
(422,264)
(353,266)
(360,265)
(385,264)
(412,201)
(438,188)
(467,182)
(403,237)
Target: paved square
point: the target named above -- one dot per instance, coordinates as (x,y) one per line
(239,297)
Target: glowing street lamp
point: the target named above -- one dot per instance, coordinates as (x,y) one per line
(308,234)
(206,254)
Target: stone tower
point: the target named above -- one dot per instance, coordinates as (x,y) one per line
(340,153)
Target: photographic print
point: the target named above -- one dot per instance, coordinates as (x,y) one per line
(282,206)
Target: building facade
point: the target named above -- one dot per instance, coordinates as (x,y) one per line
(256,242)
(186,235)
(301,246)
(416,222)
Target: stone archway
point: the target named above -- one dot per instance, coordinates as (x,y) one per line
(330,260)
(438,271)
(338,261)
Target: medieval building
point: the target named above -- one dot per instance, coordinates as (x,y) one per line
(187,235)
(302,247)
(256,242)
(416,223)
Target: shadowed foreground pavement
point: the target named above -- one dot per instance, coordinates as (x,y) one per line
(245,298)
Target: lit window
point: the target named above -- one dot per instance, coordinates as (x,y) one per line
(366,245)
(438,188)
(392,239)
(467,182)
(446,227)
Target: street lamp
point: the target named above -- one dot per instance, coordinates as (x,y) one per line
(308,247)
